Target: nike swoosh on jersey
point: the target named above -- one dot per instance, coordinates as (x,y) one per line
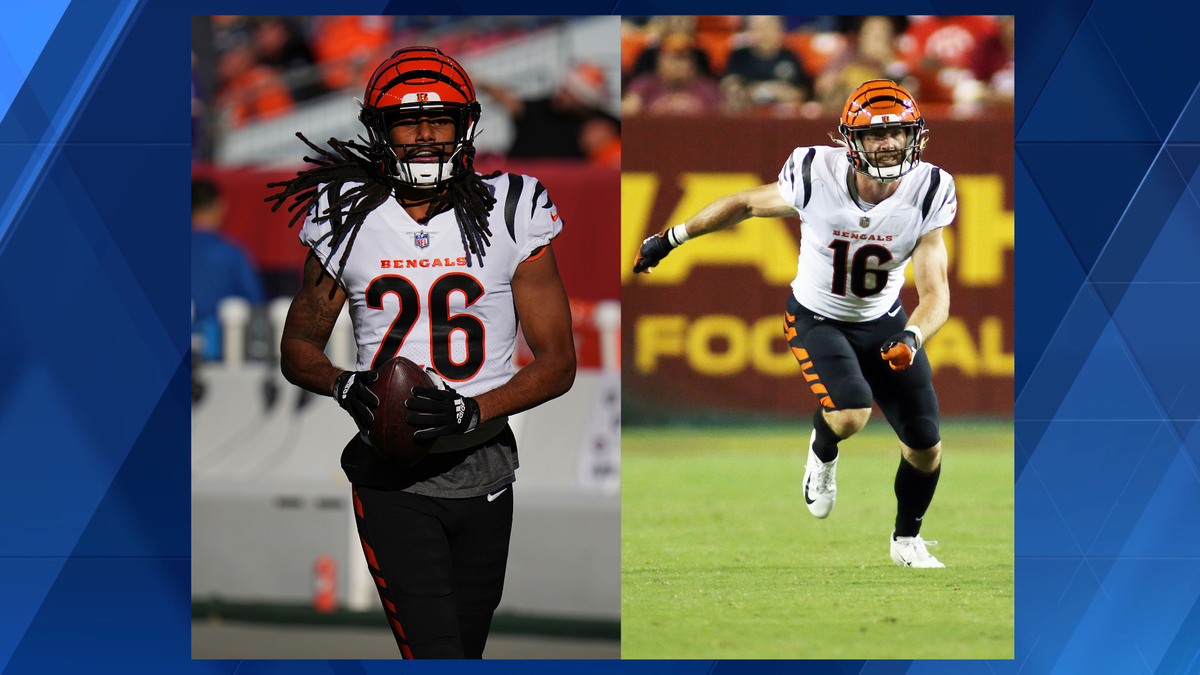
(894,312)
(492,497)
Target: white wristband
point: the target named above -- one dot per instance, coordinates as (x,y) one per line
(916,330)
(677,235)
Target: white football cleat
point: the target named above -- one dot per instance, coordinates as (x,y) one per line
(911,552)
(820,482)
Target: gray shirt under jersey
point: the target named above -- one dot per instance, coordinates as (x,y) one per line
(472,472)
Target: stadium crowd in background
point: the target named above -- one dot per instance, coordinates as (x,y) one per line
(568,123)
(800,66)
(262,66)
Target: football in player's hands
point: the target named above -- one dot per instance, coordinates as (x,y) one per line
(900,349)
(390,433)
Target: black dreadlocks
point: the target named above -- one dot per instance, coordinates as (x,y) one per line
(353,163)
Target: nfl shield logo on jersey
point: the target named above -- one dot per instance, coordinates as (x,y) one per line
(421,239)
(864,222)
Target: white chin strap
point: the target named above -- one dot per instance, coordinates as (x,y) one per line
(888,174)
(427,174)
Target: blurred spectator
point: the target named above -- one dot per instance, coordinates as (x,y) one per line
(657,30)
(940,51)
(279,45)
(568,124)
(249,90)
(220,268)
(229,31)
(764,72)
(995,63)
(675,88)
(349,47)
(600,139)
(874,57)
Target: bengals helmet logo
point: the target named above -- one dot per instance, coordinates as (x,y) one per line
(422,97)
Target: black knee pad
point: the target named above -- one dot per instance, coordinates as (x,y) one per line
(920,433)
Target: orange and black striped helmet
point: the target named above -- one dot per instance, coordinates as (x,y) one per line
(882,104)
(417,79)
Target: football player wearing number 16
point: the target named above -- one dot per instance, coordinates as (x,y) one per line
(438,264)
(866,210)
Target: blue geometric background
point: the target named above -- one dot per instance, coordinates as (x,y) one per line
(94,361)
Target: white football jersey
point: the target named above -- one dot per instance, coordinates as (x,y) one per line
(412,293)
(852,261)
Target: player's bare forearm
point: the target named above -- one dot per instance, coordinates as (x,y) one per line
(309,323)
(719,215)
(545,317)
(307,367)
(547,377)
(930,314)
(762,202)
(930,263)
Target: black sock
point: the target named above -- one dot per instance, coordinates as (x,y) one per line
(825,446)
(914,491)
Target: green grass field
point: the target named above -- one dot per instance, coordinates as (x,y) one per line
(720,558)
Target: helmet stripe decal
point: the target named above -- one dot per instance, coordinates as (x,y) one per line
(423,74)
(432,55)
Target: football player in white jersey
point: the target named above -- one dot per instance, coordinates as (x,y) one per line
(438,264)
(866,209)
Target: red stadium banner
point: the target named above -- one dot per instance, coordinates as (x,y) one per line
(586,198)
(703,334)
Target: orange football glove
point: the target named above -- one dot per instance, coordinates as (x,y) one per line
(900,349)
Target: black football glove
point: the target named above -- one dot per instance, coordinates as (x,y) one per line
(900,349)
(654,249)
(443,411)
(350,391)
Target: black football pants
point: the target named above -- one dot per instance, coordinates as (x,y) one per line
(841,362)
(438,565)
